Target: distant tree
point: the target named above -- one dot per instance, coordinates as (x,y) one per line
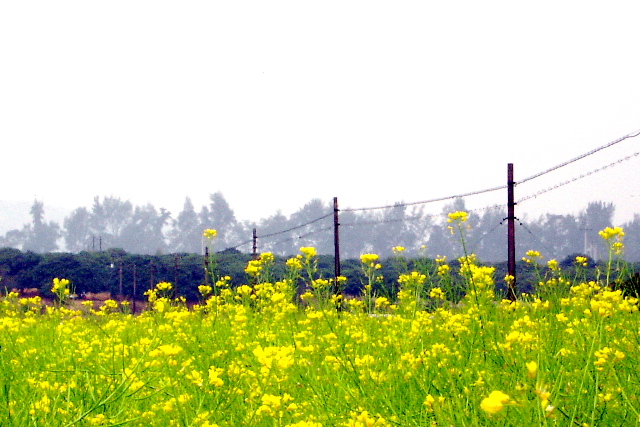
(490,236)
(12,239)
(109,218)
(279,244)
(186,232)
(220,217)
(353,234)
(444,242)
(632,239)
(597,216)
(77,231)
(317,232)
(144,232)
(555,236)
(40,236)
(394,227)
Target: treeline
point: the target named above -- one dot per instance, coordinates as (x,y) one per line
(112,223)
(128,276)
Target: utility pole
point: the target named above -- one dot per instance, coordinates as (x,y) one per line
(336,239)
(255,244)
(120,292)
(336,250)
(151,274)
(511,234)
(134,288)
(206,265)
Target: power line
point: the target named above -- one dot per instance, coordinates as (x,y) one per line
(474,243)
(539,174)
(296,227)
(551,251)
(416,217)
(241,244)
(569,181)
(440,199)
(383,221)
(302,236)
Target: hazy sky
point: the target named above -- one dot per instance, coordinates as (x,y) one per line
(274,103)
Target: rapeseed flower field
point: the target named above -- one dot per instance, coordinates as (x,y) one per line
(265,354)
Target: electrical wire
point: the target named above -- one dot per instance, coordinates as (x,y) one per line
(440,199)
(296,227)
(569,181)
(582,156)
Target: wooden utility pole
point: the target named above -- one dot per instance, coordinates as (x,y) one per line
(151,274)
(206,265)
(255,244)
(511,234)
(336,252)
(134,288)
(175,274)
(120,292)
(336,239)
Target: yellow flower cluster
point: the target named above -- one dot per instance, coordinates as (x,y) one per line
(413,278)
(210,233)
(532,256)
(458,217)
(365,419)
(495,402)
(369,259)
(254,267)
(309,252)
(60,285)
(610,233)
(164,286)
(294,264)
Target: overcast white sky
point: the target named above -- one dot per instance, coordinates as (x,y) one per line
(274,103)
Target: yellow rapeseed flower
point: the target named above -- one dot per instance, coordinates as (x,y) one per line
(495,402)
(164,286)
(210,233)
(205,290)
(581,260)
(59,285)
(369,258)
(267,257)
(532,369)
(459,216)
(382,302)
(443,269)
(294,264)
(309,252)
(553,265)
(437,293)
(531,256)
(304,424)
(609,233)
